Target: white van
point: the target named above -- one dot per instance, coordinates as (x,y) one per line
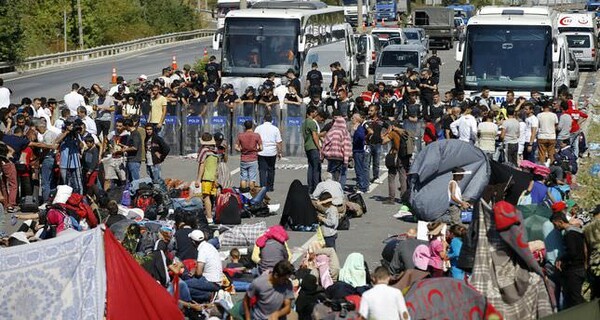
(584,46)
(368,47)
(326,55)
(384,34)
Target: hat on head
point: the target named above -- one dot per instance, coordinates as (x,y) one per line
(143,77)
(559,206)
(218,136)
(421,257)
(505,215)
(434,229)
(187,67)
(196,235)
(210,142)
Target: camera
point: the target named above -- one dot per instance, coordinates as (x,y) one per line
(401,77)
(75,122)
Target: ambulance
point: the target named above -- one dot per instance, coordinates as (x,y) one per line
(581,32)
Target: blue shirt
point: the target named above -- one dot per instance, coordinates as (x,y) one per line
(358,139)
(538,192)
(453,254)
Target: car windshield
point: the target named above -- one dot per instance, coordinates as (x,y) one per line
(399,59)
(256,46)
(508,58)
(411,35)
(578,41)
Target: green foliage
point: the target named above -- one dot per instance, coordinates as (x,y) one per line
(587,194)
(200,64)
(35,27)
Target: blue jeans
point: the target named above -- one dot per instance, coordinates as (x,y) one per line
(48,181)
(335,167)
(314,169)
(201,289)
(260,196)
(362,176)
(72,178)
(248,171)
(184,291)
(153,172)
(133,170)
(373,159)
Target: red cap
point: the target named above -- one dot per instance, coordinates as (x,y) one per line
(559,206)
(505,215)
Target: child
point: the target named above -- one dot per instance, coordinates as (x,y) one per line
(329,221)
(437,248)
(458,232)
(208,172)
(234,257)
(91,157)
(457,204)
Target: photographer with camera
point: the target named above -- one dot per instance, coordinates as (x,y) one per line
(70,147)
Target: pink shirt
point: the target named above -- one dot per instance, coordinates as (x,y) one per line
(436,248)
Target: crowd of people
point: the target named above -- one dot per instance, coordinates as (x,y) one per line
(99,139)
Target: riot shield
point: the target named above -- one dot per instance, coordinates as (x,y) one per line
(291,125)
(219,120)
(171,133)
(241,113)
(274,110)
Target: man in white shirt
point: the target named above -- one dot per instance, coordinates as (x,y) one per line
(336,191)
(531,129)
(208,274)
(114,89)
(272,146)
(74,100)
(465,127)
(383,302)
(4,95)
(90,125)
(546,135)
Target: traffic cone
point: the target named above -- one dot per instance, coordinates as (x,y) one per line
(174,63)
(205,51)
(113,79)
(383,22)
(364,26)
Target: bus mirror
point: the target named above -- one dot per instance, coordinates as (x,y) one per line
(217,40)
(301,43)
(555,44)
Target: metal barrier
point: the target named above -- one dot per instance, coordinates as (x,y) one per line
(291,129)
(107,50)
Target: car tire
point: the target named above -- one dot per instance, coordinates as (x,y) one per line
(595,67)
(573,84)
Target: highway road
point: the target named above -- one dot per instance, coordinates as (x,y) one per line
(365,234)
(56,81)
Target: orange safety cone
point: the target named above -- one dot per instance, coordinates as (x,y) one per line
(205,52)
(382,22)
(113,79)
(174,63)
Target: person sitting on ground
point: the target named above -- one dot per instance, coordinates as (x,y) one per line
(383,302)
(334,188)
(270,248)
(310,294)
(234,260)
(273,292)
(312,263)
(329,220)
(355,271)
(113,214)
(437,248)
(458,232)
(457,203)
(208,274)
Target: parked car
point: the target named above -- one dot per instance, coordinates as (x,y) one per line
(396,59)
(416,36)
(368,47)
(573,68)
(384,34)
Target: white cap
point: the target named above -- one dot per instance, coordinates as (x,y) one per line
(196,235)
(143,77)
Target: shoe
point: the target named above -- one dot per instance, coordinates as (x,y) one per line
(358,192)
(389,201)
(210,221)
(378,181)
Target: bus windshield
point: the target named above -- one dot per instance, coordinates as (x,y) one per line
(399,59)
(257,46)
(508,58)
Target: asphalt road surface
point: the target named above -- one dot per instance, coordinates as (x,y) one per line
(366,233)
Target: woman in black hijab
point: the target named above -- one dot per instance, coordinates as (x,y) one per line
(298,211)
(308,297)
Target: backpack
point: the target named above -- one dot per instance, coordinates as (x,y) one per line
(77,206)
(143,199)
(229,208)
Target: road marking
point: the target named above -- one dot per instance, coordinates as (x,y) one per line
(374,185)
(299,252)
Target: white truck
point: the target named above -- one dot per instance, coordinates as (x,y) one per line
(513,48)
(581,32)
(351,11)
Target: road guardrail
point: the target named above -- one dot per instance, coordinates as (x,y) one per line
(62,58)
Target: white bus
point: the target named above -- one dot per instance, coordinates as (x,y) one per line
(513,48)
(277,36)
(223,7)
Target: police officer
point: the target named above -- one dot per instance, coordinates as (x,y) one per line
(314,80)
(213,70)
